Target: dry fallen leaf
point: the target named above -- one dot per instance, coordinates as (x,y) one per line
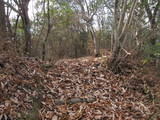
(80,88)
(55,117)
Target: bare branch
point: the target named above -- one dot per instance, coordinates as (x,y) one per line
(122,15)
(127,24)
(13,8)
(156,9)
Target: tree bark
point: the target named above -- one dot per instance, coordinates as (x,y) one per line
(48,31)
(96,47)
(27,26)
(3,28)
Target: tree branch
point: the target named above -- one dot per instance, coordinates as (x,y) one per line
(148,10)
(13,8)
(156,10)
(128,23)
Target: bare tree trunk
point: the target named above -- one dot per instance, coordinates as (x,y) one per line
(8,24)
(96,47)
(112,41)
(116,47)
(3,29)
(27,26)
(48,31)
(15,40)
(120,31)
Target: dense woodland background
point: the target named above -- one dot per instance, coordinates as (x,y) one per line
(74,28)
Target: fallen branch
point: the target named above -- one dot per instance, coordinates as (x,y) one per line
(74,101)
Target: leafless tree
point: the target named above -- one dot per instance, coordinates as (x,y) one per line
(23,12)
(122,21)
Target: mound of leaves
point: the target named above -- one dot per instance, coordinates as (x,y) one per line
(73,89)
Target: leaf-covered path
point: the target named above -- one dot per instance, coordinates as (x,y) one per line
(72,89)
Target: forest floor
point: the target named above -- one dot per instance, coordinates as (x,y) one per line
(77,89)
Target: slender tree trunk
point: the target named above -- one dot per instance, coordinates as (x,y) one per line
(3,28)
(112,41)
(27,27)
(96,47)
(48,31)
(15,31)
(8,24)
(153,29)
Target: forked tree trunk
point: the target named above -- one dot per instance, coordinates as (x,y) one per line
(23,12)
(88,15)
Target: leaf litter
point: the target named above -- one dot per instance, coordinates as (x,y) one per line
(71,89)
